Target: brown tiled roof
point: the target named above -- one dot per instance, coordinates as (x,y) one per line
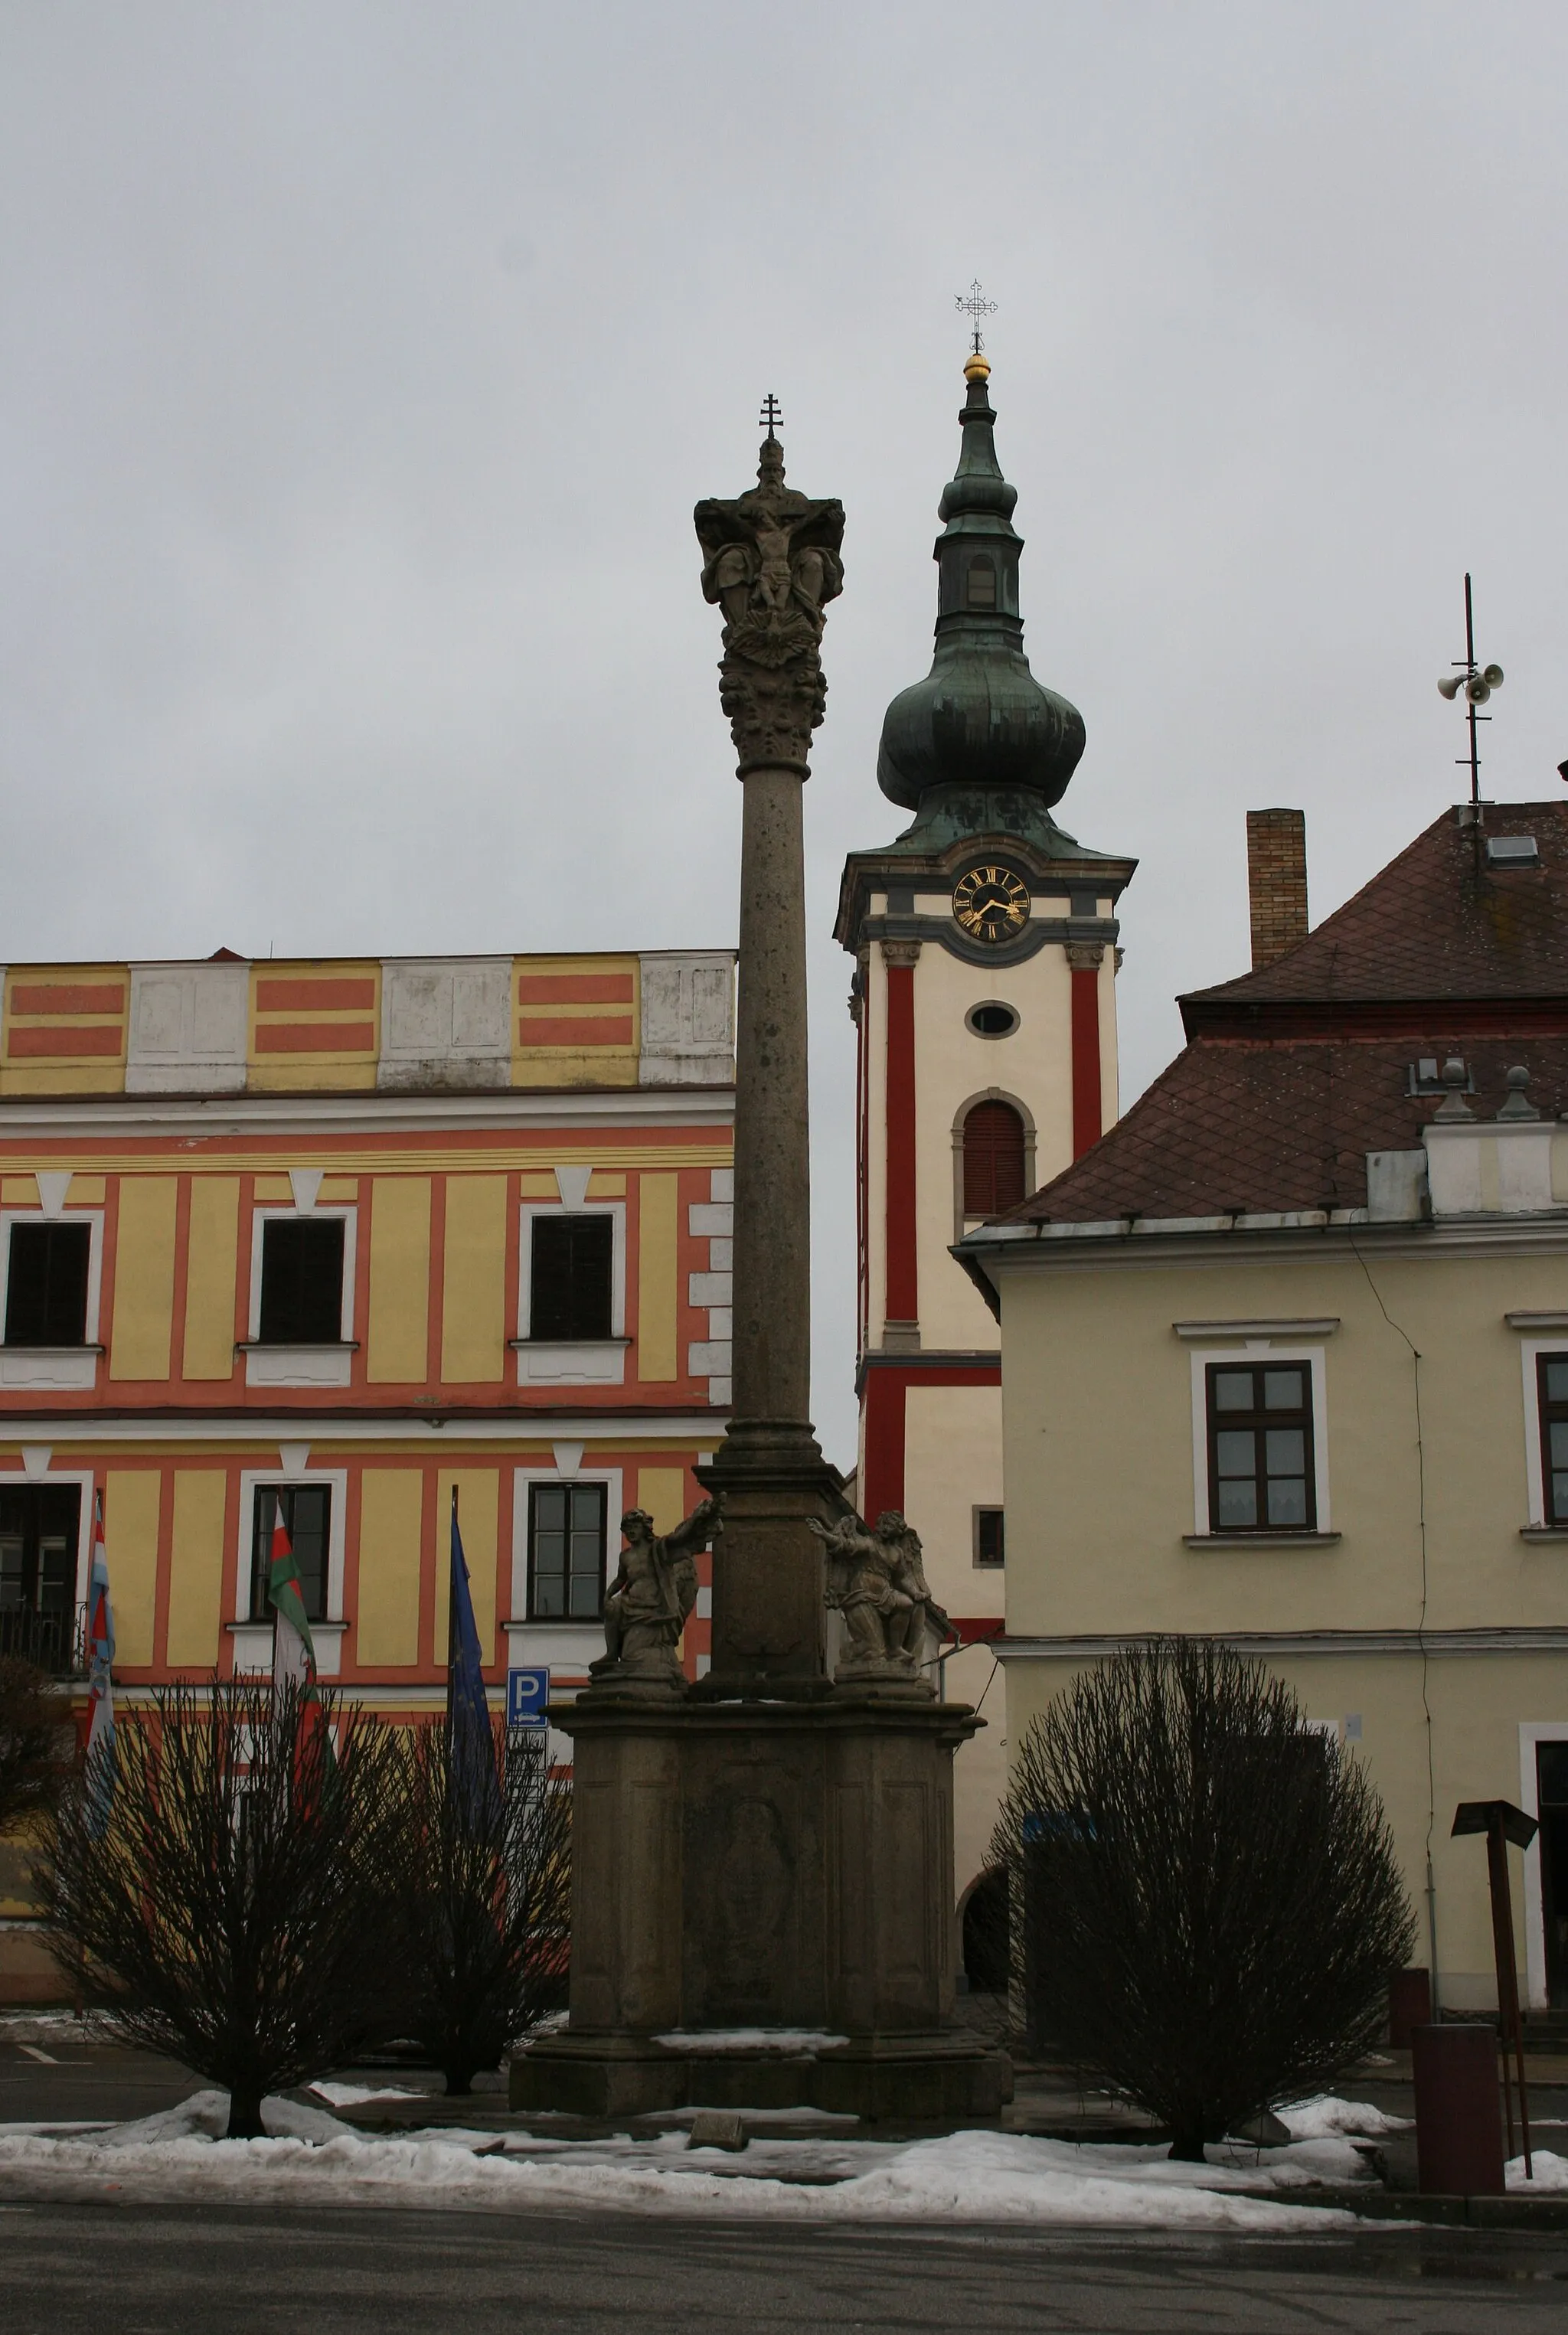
(1243,1128)
(1293,1073)
(1439,923)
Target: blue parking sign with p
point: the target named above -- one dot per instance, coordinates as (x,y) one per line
(527,1697)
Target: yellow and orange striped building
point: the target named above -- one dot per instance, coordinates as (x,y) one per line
(341,1235)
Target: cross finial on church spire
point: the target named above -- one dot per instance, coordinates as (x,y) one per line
(976,305)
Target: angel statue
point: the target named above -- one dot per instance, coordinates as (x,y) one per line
(876,1580)
(653,1590)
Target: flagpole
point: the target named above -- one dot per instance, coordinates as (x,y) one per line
(452,1611)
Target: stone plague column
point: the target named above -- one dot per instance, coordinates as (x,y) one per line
(771,565)
(762,1863)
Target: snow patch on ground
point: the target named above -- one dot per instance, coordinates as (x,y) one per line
(749,2039)
(822,2116)
(204,2117)
(1551,2172)
(358,2096)
(1324,2117)
(970,2176)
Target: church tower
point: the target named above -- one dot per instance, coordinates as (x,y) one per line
(985,945)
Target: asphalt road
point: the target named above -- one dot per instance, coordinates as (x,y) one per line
(98,2269)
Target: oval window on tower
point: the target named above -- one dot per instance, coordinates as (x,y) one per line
(991,1020)
(992,1160)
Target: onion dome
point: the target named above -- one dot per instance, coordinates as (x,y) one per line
(979,717)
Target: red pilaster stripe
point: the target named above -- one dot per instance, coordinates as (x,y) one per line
(883,1484)
(903,1290)
(1088,1125)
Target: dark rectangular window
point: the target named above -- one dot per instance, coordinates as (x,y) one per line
(981,584)
(1552,1379)
(569,1276)
(40,1527)
(565,1551)
(46,1284)
(1260,1430)
(301,1281)
(307,1510)
(989,1545)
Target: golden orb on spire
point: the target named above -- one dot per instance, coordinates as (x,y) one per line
(976,368)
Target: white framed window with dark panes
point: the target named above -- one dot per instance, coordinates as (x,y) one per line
(302,1278)
(564,1533)
(40,1542)
(314,1506)
(567,1534)
(51,1270)
(304,1510)
(1552,1418)
(1259,1446)
(571,1294)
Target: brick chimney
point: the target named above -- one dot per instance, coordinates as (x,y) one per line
(1276,882)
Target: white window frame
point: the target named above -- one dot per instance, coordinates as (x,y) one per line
(1531,1350)
(253,1640)
(283,1214)
(306,1366)
(1532,1732)
(1252,1352)
(565,1646)
(54,1366)
(87,1484)
(583,1361)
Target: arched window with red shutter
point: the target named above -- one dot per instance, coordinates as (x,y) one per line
(994,1178)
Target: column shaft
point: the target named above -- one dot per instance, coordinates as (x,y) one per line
(772,1354)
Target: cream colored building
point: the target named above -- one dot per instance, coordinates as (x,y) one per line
(1284,1357)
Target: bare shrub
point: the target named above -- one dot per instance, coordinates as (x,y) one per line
(1210,1905)
(485,1892)
(236,1906)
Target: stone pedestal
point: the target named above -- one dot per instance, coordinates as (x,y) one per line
(778,1866)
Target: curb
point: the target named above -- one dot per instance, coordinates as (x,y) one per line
(1513,2212)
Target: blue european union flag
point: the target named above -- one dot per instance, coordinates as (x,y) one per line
(473,1779)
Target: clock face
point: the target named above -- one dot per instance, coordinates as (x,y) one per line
(991,904)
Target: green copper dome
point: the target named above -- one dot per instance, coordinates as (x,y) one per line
(979,716)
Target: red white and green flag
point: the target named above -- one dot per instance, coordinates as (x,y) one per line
(293,1647)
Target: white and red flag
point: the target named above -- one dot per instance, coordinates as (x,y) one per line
(99,1678)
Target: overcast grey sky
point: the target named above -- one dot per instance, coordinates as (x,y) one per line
(362,364)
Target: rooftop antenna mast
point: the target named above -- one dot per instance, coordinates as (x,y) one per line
(1478,682)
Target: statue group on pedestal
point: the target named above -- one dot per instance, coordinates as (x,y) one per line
(654,1590)
(876,1580)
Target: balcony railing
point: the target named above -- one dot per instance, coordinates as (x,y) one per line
(56,1642)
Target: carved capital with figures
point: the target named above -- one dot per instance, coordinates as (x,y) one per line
(770,562)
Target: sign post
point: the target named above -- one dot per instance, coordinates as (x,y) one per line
(527,1697)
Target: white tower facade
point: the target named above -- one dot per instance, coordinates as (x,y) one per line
(984,941)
